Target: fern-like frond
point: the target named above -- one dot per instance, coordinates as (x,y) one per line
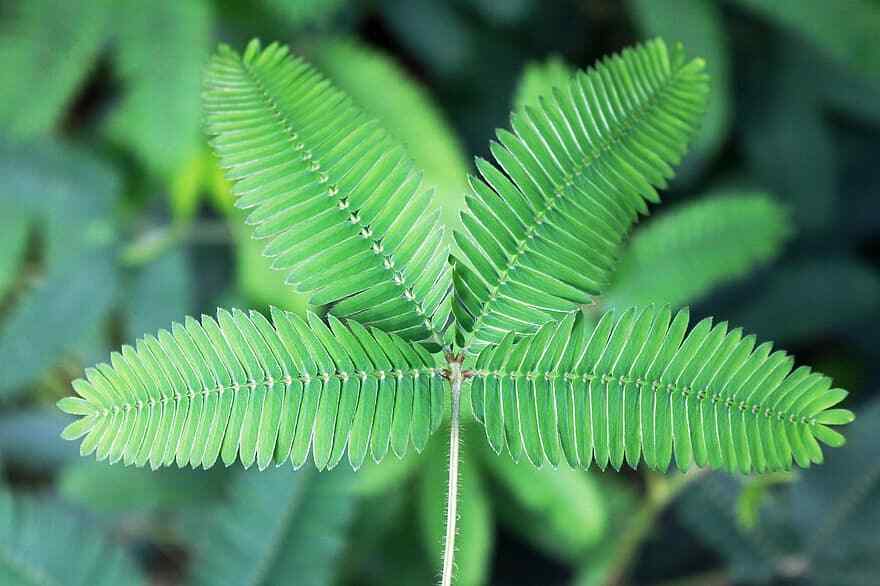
(641,387)
(240,387)
(542,229)
(335,195)
(538,80)
(682,255)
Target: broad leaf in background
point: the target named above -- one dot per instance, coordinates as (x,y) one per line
(70,195)
(698,24)
(821,529)
(28,438)
(161,53)
(684,253)
(114,489)
(539,79)
(475,540)
(787,142)
(275,527)
(846,30)
(47,51)
(299,14)
(158,293)
(560,510)
(17,224)
(68,302)
(44,543)
(833,294)
(405,109)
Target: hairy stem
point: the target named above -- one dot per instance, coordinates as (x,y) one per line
(455,378)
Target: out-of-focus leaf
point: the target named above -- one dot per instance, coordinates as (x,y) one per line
(299,14)
(846,30)
(259,283)
(432,31)
(71,197)
(822,529)
(752,495)
(29,437)
(684,253)
(382,547)
(503,13)
(276,527)
(161,52)
(755,555)
(474,543)
(788,145)
(598,565)
(69,193)
(47,49)
(51,318)
(42,543)
(406,110)
(13,240)
(377,478)
(103,488)
(809,299)
(560,510)
(699,25)
(539,79)
(160,292)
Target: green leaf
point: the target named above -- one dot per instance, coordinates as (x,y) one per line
(240,387)
(559,510)
(846,31)
(833,295)
(641,387)
(13,242)
(406,110)
(337,197)
(47,50)
(542,232)
(538,80)
(53,317)
(699,25)
(158,293)
(687,252)
(275,528)
(160,56)
(304,13)
(474,542)
(127,490)
(36,540)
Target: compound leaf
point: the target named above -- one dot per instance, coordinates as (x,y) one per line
(543,228)
(335,195)
(240,387)
(641,387)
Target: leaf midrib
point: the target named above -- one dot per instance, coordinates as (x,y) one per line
(614,138)
(398,277)
(702,394)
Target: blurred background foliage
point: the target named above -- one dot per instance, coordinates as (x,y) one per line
(115,220)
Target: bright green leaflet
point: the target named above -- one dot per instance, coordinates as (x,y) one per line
(640,386)
(239,387)
(336,197)
(543,228)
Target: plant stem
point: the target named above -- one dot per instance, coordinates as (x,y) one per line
(455,379)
